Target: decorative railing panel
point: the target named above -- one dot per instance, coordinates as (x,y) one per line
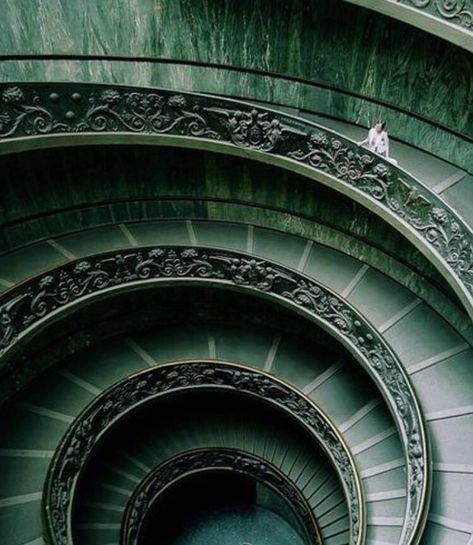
(29,306)
(456,12)
(29,111)
(84,435)
(172,471)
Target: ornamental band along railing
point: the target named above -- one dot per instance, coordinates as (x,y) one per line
(172,471)
(456,12)
(147,386)
(29,305)
(32,111)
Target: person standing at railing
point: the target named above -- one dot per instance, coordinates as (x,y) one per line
(378,141)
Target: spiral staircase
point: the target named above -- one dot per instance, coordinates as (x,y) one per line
(222,320)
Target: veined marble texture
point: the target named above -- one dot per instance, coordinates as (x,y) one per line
(319,40)
(290,96)
(456,12)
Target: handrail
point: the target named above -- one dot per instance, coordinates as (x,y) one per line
(191,462)
(132,393)
(27,308)
(451,20)
(46,115)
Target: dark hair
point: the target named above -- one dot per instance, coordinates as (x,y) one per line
(382,123)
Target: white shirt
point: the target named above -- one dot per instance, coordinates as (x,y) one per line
(377,141)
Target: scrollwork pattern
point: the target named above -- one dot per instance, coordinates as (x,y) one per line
(85,433)
(459,12)
(27,117)
(169,472)
(28,304)
(434,221)
(43,109)
(108,110)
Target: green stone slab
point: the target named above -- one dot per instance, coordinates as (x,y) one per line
(384,534)
(277,246)
(330,392)
(379,297)
(22,264)
(331,268)
(388,449)
(376,421)
(244,347)
(102,365)
(452,440)
(175,343)
(160,233)
(21,524)
(22,475)
(95,241)
(393,479)
(420,335)
(221,234)
(447,488)
(54,392)
(446,385)
(299,363)
(22,429)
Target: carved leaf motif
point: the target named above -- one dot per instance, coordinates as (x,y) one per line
(35,300)
(459,12)
(105,411)
(163,476)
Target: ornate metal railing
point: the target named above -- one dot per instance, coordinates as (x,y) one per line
(28,307)
(106,411)
(174,470)
(456,12)
(452,20)
(85,113)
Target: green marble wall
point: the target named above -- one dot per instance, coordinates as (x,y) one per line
(295,97)
(47,193)
(327,41)
(40,187)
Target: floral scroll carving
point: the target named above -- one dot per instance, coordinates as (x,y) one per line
(149,490)
(105,111)
(104,412)
(459,12)
(415,205)
(27,305)
(46,109)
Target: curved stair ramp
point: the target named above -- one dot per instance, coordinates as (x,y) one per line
(33,115)
(366,410)
(220,289)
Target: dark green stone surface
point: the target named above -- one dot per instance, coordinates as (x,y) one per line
(58,192)
(238,526)
(380,59)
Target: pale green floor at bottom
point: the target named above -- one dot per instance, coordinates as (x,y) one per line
(238,526)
